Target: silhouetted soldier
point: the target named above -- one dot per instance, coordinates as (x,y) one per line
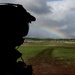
(14,25)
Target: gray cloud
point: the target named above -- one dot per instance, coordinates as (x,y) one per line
(64,20)
(40,33)
(39,10)
(38,6)
(6,1)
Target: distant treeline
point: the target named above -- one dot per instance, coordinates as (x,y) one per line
(52,39)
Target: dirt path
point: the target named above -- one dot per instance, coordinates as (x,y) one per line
(43,66)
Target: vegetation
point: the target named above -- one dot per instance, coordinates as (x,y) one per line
(50,56)
(48,53)
(50,40)
(31,51)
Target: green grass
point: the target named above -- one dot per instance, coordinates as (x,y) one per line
(31,51)
(64,53)
(43,52)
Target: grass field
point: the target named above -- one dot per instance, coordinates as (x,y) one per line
(50,57)
(31,51)
(48,53)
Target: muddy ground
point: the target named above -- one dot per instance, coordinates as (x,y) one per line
(43,66)
(56,68)
(53,66)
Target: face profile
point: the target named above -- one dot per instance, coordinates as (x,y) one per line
(14,24)
(15,21)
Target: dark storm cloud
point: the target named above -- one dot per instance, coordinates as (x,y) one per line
(40,10)
(38,6)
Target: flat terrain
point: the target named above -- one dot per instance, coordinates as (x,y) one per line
(50,58)
(43,65)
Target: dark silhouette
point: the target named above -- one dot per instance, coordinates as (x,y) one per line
(14,25)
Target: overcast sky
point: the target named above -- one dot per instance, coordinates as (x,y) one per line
(54,18)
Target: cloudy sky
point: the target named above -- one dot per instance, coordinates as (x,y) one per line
(54,18)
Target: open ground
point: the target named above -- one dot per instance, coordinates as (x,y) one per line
(44,63)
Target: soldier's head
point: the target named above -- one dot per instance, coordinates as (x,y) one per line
(15,22)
